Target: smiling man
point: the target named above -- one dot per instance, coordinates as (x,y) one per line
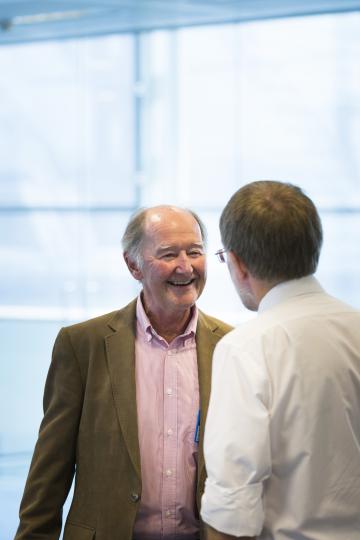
(124,397)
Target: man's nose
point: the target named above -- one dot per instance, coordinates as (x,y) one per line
(184,263)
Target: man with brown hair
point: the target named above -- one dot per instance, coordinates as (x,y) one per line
(282,438)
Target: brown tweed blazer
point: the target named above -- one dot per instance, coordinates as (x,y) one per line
(89,430)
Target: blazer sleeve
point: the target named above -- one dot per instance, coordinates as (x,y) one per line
(53,464)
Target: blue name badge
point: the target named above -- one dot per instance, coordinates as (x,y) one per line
(197,430)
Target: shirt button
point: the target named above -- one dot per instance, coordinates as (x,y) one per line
(168,472)
(170,431)
(135,497)
(169,391)
(168,513)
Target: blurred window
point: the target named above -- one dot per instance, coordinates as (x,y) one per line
(197,112)
(275,99)
(66,190)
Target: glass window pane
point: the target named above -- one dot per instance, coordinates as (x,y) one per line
(259,101)
(66,188)
(62,264)
(339,266)
(66,123)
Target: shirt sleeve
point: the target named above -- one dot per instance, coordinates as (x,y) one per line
(237,443)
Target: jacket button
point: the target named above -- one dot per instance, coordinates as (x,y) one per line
(135,497)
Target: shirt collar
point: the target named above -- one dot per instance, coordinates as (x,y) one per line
(149,332)
(288,289)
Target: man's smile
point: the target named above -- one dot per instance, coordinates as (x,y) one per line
(181,283)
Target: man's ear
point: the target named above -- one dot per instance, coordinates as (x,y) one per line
(238,263)
(133,267)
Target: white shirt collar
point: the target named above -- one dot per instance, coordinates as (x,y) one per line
(288,289)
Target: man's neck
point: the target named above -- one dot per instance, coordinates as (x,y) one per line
(260,288)
(172,329)
(169,325)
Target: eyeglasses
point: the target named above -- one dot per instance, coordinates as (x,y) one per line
(221,254)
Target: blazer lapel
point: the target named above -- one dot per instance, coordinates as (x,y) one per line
(206,340)
(120,352)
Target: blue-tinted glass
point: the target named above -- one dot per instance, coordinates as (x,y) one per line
(66,123)
(339,267)
(66,183)
(223,105)
(59,261)
(261,101)
(26,349)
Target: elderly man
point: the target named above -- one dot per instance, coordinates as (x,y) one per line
(282,438)
(123,401)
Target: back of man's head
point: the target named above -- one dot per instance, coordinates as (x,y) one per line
(274,228)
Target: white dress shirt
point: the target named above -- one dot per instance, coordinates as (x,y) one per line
(282,438)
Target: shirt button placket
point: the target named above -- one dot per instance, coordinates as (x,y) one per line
(170,442)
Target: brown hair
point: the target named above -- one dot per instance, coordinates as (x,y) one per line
(274,228)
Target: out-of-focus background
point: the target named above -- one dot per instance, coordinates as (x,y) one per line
(108,106)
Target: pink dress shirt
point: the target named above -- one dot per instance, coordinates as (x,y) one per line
(167,394)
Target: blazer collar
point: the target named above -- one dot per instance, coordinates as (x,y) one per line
(120,351)
(207,336)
